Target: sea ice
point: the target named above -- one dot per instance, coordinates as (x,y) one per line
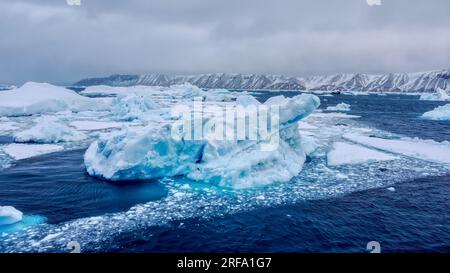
(342,107)
(49,130)
(422,149)
(439,113)
(345,153)
(151,152)
(9,215)
(35,98)
(89,125)
(23,151)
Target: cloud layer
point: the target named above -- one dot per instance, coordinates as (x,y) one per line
(48,40)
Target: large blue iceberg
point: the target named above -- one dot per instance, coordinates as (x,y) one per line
(152,152)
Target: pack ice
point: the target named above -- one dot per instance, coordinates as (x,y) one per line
(151,152)
(36,98)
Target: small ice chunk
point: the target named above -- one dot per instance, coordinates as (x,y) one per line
(391,189)
(49,130)
(345,153)
(341,107)
(23,151)
(9,215)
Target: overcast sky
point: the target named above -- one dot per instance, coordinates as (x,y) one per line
(48,40)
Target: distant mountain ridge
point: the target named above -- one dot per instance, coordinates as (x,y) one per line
(394,82)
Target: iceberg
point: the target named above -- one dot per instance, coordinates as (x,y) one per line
(440,95)
(49,130)
(9,215)
(218,95)
(345,153)
(439,113)
(151,152)
(342,107)
(36,98)
(129,107)
(246,100)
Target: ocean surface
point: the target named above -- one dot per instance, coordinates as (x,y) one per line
(413,218)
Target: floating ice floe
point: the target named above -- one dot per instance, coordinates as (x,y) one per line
(345,153)
(9,215)
(439,113)
(440,95)
(428,150)
(35,98)
(152,152)
(23,151)
(344,107)
(49,130)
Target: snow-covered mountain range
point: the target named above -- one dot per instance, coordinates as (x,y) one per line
(429,81)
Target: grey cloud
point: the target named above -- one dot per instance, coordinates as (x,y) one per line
(48,40)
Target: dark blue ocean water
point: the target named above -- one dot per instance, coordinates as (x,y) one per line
(413,218)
